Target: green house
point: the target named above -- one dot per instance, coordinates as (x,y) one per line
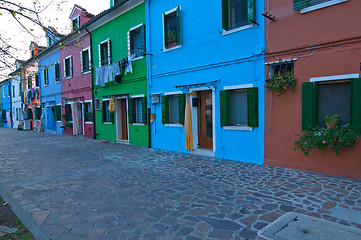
(120,74)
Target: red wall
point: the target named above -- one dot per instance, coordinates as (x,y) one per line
(335,40)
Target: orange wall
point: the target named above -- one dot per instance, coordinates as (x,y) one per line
(284,114)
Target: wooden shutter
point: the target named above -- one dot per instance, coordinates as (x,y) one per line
(144,110)
(142,40)
(224,107)
(355,103)
(309,106)
(251,8)
(68,116)
(225,14)
(57,113)
(252,102)
(182,107)
(299,4)
(131,110)
(111,117)
(178,25)
(165,109)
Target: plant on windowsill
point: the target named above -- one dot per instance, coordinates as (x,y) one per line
(88,117)
(280,83)
(68,124)
(171,39)
(331,121)
(337,139)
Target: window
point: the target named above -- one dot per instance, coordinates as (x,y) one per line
(173,109)
(32,52)
(85,60)
(76,23)
(57,72)
(136,41)
(68,115)
(238,13)
(104,53)
(13,91)
(239,107)
(88,112)
(300,4)
(171,25)
(68,67)
(107,116)
(137,110)
(46,78)
(57,112)
(4,91)
(29,82)
(280,68)
(320,99)
(19,89)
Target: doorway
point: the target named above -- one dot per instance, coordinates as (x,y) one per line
(205,120)
(122,119)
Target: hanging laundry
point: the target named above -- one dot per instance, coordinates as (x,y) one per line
(111,107)
(129,67)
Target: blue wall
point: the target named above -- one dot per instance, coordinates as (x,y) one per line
(207,55)
(6,100)
(50,95)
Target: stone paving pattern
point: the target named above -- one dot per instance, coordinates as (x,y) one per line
(78,188)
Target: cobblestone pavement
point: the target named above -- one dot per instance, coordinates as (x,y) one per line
(76,188)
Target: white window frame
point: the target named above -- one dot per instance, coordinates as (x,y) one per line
(128,35)
(109,52)
(71,67)
(55,73)
(81,60)
(91,107)
(321,5)
(78,20)
(335,77)
(47,76)
(163,17)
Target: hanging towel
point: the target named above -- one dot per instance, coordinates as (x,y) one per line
(188,123)
(111,107)
(129,67)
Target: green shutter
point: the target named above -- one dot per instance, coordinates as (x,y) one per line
(57,113)
(182,107)
(103,111)
(299,4)
(355,108)
(144,110)
(165,109)
(131,110)
(165,29)
(309,105)
(224,106)
(178,26)
(225,15)
(251,8)
(252,101)
(68,116)
(142,40)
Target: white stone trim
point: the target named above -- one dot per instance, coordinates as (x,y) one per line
(138,124)
(173,93)
(242,86)
(322,5)
(335,77)
(238,128)
(248,26)
(285,60)
(137,96)
(173,125)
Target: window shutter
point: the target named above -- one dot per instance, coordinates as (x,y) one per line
(100,55)
(355,118)
(104,106)
(225,15)
(144,110)
(224,106)
(57,113)
(111,117)
(64,69)
(131,110)
(251,6)
(252,101)
(29,114)
(71,66)
(67,112)
(165,109)
(81,62)
(165,27)
(309,107)
(182,107)
(178,25)
(109,52)
(142,40)
(129,44)
(37,113)
(299,4)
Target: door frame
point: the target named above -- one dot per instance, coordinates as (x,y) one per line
(119,120)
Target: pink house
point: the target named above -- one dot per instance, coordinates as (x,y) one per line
(76,77)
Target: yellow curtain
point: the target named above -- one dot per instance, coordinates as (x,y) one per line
(111,107)
(188,123)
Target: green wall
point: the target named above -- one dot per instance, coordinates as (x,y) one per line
(131,84)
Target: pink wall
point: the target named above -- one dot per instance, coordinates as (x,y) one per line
(325,42)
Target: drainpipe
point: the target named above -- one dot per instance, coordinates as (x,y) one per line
(92,81)
(149,67)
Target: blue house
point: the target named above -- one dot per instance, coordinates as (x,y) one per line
(6,114)
(206,77)
(48,80)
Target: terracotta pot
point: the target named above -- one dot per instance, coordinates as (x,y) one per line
(331,125)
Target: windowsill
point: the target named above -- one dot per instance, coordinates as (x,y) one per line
(173,125)
(238,128)
(58,121)
(88,122)
(225,32)
(69,77)
(321,5)
(108,123)
(172,48)
(45,85)
(138,124)
(137,58)
(86,72)
(57,81)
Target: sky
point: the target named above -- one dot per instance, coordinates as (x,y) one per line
(53,13)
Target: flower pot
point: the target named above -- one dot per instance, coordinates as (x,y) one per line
(331,125)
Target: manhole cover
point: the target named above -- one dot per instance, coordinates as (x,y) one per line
(297,226)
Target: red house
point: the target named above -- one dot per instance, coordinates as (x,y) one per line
(319,43)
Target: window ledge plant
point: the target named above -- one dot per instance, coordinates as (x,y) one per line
(280,83)
(331,121)
(338,138)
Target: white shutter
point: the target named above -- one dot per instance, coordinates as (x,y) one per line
(109,52)
(100,58)
(71,66)
(128,43)
(81,61)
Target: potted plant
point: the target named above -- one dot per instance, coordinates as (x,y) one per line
(331,121)
(280,83)
(68,124)
(171,39)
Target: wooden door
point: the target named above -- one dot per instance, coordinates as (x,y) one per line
(205,120)
(124,118)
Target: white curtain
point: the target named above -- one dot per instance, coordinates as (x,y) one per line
(77,114)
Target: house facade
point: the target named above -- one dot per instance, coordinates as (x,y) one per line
(16,92)
(120,76)
(76,77)
(6,104)
(206,85)
(315,41)
(1,106)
